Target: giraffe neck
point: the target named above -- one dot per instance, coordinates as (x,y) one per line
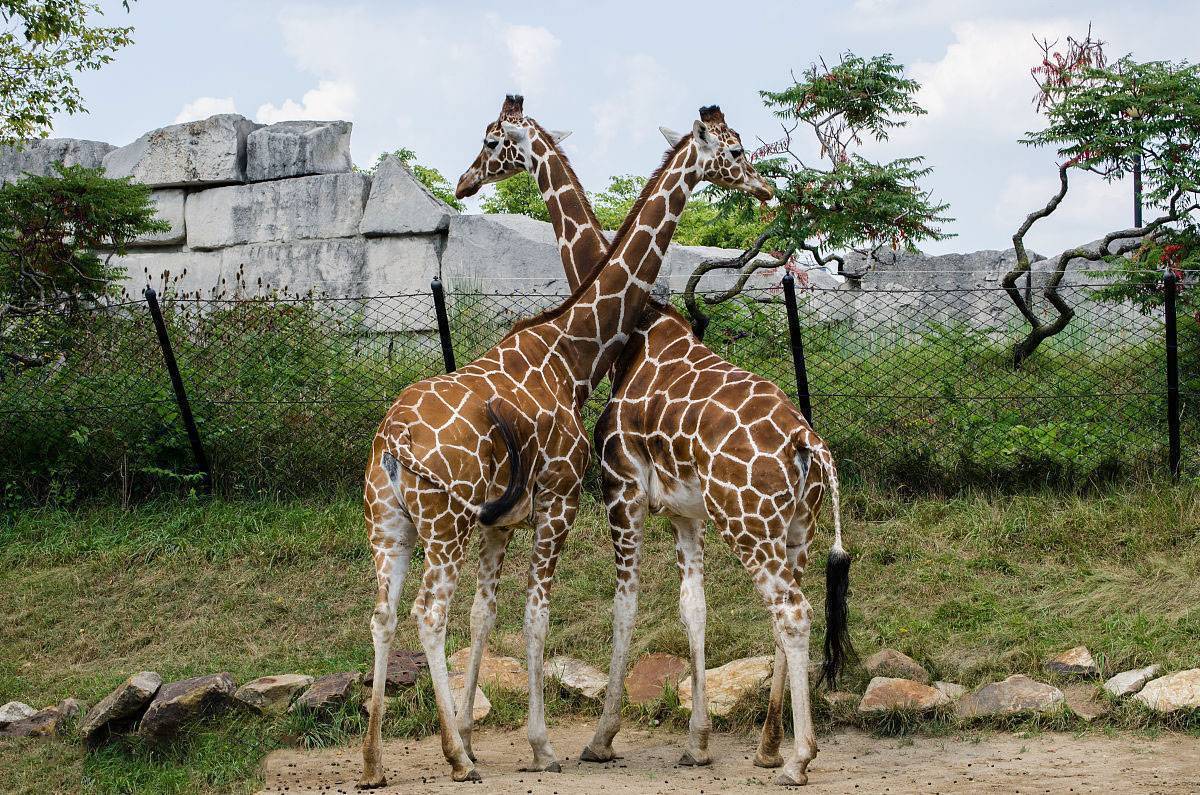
(581,244)
(598,318)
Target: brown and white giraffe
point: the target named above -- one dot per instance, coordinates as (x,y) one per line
(501,440)
(663,368)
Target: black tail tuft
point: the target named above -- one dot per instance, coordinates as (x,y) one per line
(492,510)
(838,650)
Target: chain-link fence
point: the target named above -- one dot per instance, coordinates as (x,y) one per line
(909,387)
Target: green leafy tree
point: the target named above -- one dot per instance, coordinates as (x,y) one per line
(58,235)
(517,194)
(703,222)
(1108,119)
(42,47)
(431,178)
(842,201)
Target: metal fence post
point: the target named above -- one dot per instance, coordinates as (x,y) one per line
(443,321)
(181,398)
(1173,420)
(798,363)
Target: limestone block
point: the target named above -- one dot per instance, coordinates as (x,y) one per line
(38,157)
(322,206)
(505,673)
(1127,683)
(578,676)
(726,685)
(168,206)
(1014,695)
(1180,690)
(298,148)
(400,205)
(211,151)
(271,695)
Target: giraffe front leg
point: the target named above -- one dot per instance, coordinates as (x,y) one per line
(392,537)
(689,552)
(493,542)
(550,533)
(626,519)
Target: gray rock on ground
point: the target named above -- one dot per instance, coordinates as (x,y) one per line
(179,702)
(1081,699)
(726,685)
(272,695)
(298,149)
(46,722)
(651,674)
(839,698)
(1073,662)
(888,693)
(400,205)
(891,663)
(403,669)
(211,151)
(951,690)
(505,673)
(1129,682)
(1180,690)
(14,711)
(578,676)
(327,693)
(1014,695)
(480,707)
(38,157)
(121,708)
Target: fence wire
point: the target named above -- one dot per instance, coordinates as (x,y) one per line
(909,387)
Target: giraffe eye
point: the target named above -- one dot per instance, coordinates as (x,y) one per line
(736,153)
(491,144)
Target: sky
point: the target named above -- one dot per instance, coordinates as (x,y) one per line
(430,76)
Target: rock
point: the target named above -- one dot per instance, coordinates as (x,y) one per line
(727,684)
(1180,690)
(506,673)
(1081,698)
(1127,683)
(38,157)
(891,663)
(168,206)
(1073,662)
(14,711)
(1016,694)
(121,708)
(403,265)
(207,152)
(840,698)
(327,693)
(886,693)
(297,149)
(651,674)
(587,680)
(323,206)
(272,695)
(403,668)
(400,205)
(950,690)
(480,707)
(45,722)
(185,700)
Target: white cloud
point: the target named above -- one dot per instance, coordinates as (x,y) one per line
(331,99)
(1091,208)
(646,100)
(533,51)
(203,107)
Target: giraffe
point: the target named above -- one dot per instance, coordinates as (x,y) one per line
(502,439)
(514,143)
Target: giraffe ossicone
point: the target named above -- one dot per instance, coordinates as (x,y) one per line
(461,440)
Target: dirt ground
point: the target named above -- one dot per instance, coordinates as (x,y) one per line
(849,762)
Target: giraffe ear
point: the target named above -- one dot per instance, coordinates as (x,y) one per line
(672,137)
(701,135)
(559,135)
(514,132)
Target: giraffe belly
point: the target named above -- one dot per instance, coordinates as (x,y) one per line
(674,496)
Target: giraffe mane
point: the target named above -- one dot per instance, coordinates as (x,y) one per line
(647,190)
(587,205)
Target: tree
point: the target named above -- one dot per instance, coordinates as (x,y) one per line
(43,46)
(431,178)
(844,201)
(518,194)
(52,232)
(1108,118)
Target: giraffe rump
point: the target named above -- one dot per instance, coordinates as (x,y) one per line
(492,510)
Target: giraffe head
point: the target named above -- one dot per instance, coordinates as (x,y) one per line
(507,148)
(723,159)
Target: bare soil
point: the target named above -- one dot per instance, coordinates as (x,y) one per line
(849,762)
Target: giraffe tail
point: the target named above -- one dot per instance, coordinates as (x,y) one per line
(838,648)
(492,510)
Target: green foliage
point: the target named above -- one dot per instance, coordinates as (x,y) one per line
(431,178)
(518,194)
(703,223)
(41,48)
(52,233)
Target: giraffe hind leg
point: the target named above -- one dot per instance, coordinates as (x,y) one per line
(689,550)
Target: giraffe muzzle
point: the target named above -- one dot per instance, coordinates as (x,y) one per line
(468,185)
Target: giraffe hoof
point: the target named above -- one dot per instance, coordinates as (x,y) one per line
(589,755)
(470,754)
(553,767)
(374,782)
(470,775)
(786,780)
(768,761)
(692,760)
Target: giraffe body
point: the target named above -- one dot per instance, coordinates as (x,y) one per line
(502,440)
(689,436)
